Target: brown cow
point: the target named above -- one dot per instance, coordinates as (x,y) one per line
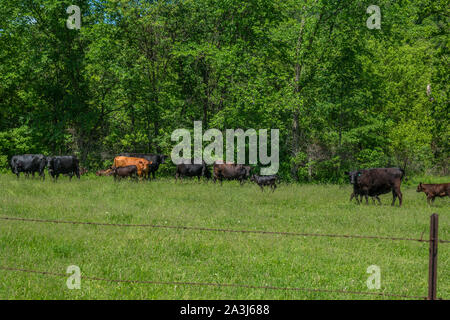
(230,171)
(141,164)
(434,190)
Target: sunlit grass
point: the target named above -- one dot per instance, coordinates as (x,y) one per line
(200,256)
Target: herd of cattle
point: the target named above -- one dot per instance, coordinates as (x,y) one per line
(366,183)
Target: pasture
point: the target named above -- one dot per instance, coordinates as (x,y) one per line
(202,256)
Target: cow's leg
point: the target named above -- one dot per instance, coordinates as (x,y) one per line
(366,195)
(432,200)
(394,196)
(379,201)
(400,198)
(352,196)
(274,186)
(262,187)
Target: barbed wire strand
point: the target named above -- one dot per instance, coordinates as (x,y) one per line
(215,229)
(245,286)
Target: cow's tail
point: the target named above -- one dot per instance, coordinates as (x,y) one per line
(403,177)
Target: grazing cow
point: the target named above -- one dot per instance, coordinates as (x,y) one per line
(107,172)
(373,182)
(141,164)
(63,165)
(434,190)
(190,169)
(155,159)
(265,181)
(123,172)
(29,163)
(230,171)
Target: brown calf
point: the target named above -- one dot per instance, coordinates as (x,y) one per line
(107,172)
(434,190)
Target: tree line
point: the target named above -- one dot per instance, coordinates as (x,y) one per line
(342,95)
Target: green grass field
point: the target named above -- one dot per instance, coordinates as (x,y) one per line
(201,256)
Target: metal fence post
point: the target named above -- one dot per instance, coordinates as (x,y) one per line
(432,265)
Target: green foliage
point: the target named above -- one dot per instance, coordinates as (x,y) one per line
(343,96)
(17,141)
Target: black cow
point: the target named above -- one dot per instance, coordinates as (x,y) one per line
(63,165)
(262,181)
(230,171)
(357,191)
(190,169)
(155,159)
(29,163)
(127,171)
(374,182)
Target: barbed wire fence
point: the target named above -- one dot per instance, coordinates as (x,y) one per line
(432,267)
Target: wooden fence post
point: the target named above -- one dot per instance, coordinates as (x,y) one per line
(432,265)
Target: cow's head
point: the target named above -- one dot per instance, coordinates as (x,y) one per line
(206,173)
(419,187)
(353,176)
(50,165)
(248,170)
